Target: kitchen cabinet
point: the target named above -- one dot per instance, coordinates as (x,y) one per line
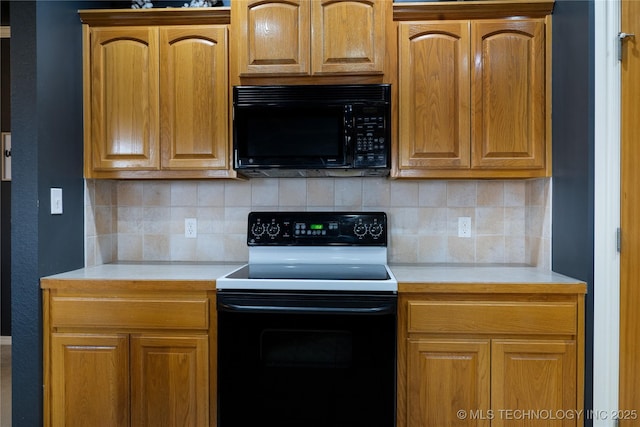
(156,94)
(474,95)
(118,355)
(305,37)
(476,358)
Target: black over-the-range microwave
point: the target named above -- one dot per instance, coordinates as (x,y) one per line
(312,130)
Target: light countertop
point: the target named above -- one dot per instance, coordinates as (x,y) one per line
(411,277)
(482,277)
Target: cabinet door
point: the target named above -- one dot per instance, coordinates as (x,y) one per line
(434,95)
(124,98)
(533,376)
(170,381)
(508,94)
(348,36)
(90,380)
(273,36)
(444,377)
(194,97)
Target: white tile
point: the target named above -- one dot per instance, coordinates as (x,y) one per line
(461,194)
(432,193)
(237,193)
(404,193)
(264,192)
(348,194)
(320,192)
(211,193)
(376,192)
(292,192)
(184,193)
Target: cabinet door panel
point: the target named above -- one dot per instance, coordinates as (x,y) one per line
(274,36)
(90,380)
(434,95)
(124,98)
(170,381)
(348,36)
(194,94)
(508,94)
(533,376)
(444,377)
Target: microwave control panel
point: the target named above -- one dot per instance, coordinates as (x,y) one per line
(371,134)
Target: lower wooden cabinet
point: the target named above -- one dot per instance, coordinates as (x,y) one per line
(441,372)
(490,360)
(89,380)
(135,359)
(170,381)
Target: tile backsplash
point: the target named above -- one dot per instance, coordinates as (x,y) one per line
(144,220)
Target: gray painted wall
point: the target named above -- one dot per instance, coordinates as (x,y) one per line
(573,150)
(46,101)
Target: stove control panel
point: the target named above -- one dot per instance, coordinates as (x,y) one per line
(317,228)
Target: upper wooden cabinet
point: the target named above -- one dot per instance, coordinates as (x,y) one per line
(473,97)
(309,37)
(123,102)
(156,96)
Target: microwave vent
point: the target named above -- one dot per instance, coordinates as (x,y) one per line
(244,95)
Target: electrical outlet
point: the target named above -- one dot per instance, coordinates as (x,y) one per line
(190,228)
(464,226)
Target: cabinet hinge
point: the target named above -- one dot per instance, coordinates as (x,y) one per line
(618,239)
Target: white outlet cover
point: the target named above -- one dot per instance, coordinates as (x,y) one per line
(464,226)
(190,228)
(56,201)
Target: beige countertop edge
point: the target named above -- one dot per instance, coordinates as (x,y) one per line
(483,279)
(491,288)
(181,276)
(418,278)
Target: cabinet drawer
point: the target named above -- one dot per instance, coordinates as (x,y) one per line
(492,317)
(183,313)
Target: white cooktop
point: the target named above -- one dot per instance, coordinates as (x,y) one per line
(339,268)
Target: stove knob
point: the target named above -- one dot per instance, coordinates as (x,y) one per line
(258,229)
(375,230)
(273,230)
(360,229)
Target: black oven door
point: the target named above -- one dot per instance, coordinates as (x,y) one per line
(325,360)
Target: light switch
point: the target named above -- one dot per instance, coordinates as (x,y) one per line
(56,201)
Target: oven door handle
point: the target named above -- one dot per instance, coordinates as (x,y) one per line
(360,306)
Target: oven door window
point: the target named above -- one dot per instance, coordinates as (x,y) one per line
(289,136)
(306,370)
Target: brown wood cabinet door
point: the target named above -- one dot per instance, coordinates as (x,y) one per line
(533,376)
(124,98)
(434,95)
(508,94)
(444,377)
(348,36)
(89,380)
(273,36)
(170,381)
(194,97)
